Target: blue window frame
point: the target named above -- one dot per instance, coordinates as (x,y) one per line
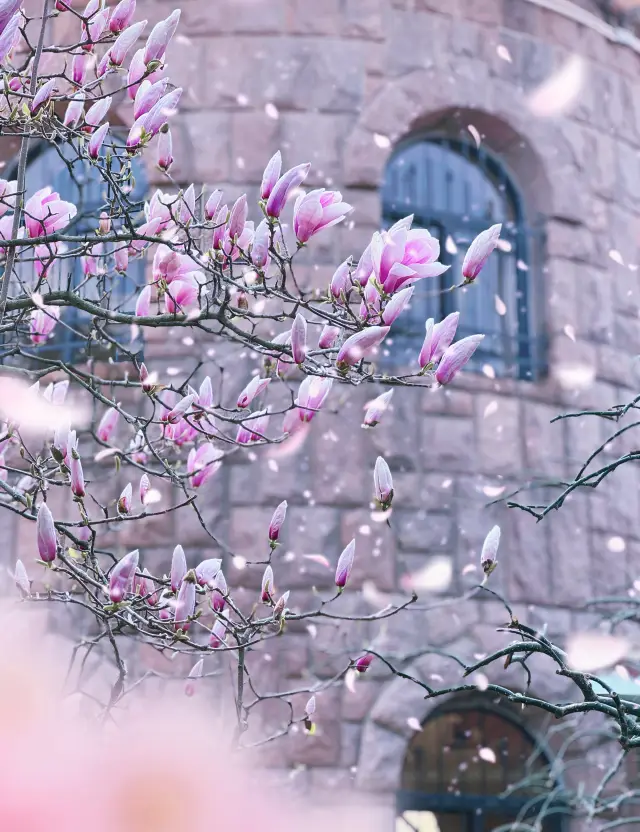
(448,785)
(77,181)
(455,190)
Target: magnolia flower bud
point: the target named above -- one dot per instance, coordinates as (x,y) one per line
(121,256)
(360,344)
(186,603)
(143,302)
(46,534)
(479,252)
(212,204)
(270,175)
(122,16)
(383,483)
(219,591)
(345,565)
(125,501)
(341,282)
(267,585)
(455,358)
(75,471)
(309,710)
(299,339)
(489,556)
(145,485)
(218,633)
(238,217)
(165,150)
(253,389)
(207,570)
(376,408)
(279,608)
(178,568)
(277,521)
(104,226)
(108,424)
(328,336)
(362,664)
(121,575)
(181,409)
(97,139)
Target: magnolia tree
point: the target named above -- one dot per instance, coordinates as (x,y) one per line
(220,278)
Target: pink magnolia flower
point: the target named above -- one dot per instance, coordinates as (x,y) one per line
(8,9)
(178,568)
(74,110)
(45,213)
(299,339)
(376,408)
(479,252)
(397,305)
(205,394)
(253,389)
(194,674)
(362,664)
(253,429)
(96,112)
(165,150)
(437,338)
(79,66)
(289,180)
(46,534)
(277,521)
(121,257)
(42,323)
(170,265)
(312,394)
(341,280)
(93,32)
(43,95)
(181,408)
(219,592)
(237,217)
(270,175)
(328,336)
(207,570)
(489,556)
(108,425)
(212,204)
(267,588)
(148,124)
(97,139)
(220,227)
(125,500)
(121,576)
(203,463)
(317,210)
(360,344)
(186,602)
(122,16)
(10,36)
(118,52)
(345,565)
(145,485)
(160,37)
(260,246)
(182,294)
(75,469)
(8,191)
(400,256)
(218,633)
(21,578)
(383,483)
(364,269)
(143,302)
(147,96)
(455,358)
(137,72)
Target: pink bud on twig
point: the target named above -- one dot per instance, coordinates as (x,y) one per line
(345,565)
(277,521)
(121,576)
(46,534)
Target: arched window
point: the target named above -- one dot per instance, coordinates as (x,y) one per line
(460,772)
(455,190)
(77,181)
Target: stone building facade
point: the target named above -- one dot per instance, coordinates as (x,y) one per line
(339,83)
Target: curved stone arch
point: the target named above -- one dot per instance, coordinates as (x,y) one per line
(386,731)
(534,151)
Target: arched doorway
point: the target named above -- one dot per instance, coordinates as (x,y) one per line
(473,768)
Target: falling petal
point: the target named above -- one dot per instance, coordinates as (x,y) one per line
(434,577)
(493,490)
(350,680)
(480,681)
(381,140)
(470,567)
(414,723)
(503,53)
(574,376)
(152,496)
(590,652)
(501,307)
(271,110)
(615,255)
(616,544)
(487,754)
(476,135)
(450,245)
(570,332)
(555,95)
(490,409)
(318,559)
(488,371)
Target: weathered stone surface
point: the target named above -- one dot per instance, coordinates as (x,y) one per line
(381,757)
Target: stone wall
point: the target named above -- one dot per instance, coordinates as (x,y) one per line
(322,80)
